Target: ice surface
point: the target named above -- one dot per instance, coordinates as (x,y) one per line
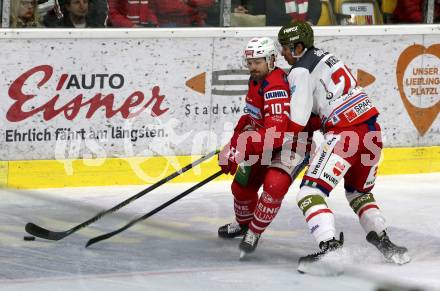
(178,248)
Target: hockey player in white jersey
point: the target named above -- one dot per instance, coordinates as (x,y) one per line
(321,84)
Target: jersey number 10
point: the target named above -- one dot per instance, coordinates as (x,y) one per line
(276,108)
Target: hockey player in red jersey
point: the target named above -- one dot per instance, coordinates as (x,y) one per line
(320,83)
(255,148)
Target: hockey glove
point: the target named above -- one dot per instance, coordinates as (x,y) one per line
(237,150)
(229,158)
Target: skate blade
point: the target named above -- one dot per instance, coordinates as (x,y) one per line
(318,268)
(242,255)
(400,259)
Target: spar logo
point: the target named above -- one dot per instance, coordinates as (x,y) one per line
(30,98)
(234,82)
(418,80)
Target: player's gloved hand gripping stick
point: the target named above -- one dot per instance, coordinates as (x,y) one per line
(41,232)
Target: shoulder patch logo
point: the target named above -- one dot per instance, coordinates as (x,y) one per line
(292,89)
(319,53)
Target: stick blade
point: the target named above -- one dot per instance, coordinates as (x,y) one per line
(99,238)
(41,232)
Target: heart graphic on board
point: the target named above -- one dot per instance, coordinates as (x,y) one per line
(421,117)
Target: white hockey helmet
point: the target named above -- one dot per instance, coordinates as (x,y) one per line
(261,47)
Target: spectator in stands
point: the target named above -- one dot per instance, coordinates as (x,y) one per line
(71,14)
(280,12)
(181,13)
(99,12)
(387,8)
(412,11)
(437,11)
(24,14)
(129,13)
(408,11)
(213,14)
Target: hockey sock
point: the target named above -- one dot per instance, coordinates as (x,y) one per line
(275,186)
(319,217)
(245,199)
(365,206)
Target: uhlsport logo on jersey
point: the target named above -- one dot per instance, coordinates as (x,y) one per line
(417,73)
(275,94)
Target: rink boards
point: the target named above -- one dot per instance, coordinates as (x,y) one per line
(104,107)
(147,170)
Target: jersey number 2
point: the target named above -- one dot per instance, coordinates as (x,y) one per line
(343,73)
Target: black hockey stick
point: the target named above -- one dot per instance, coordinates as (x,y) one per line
(154,211)
(41,232)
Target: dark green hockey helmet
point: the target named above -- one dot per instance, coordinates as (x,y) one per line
(296,32)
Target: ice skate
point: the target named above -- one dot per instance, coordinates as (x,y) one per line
(391,252)
(248,244)
(312,263)
(232,230)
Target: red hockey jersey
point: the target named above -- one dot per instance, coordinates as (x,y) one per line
(268,111)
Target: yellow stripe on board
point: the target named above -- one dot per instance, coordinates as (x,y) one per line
(103,172)
(137,170)
(410,160)
(3,173)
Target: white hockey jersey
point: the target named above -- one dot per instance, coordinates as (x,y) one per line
(322,84)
